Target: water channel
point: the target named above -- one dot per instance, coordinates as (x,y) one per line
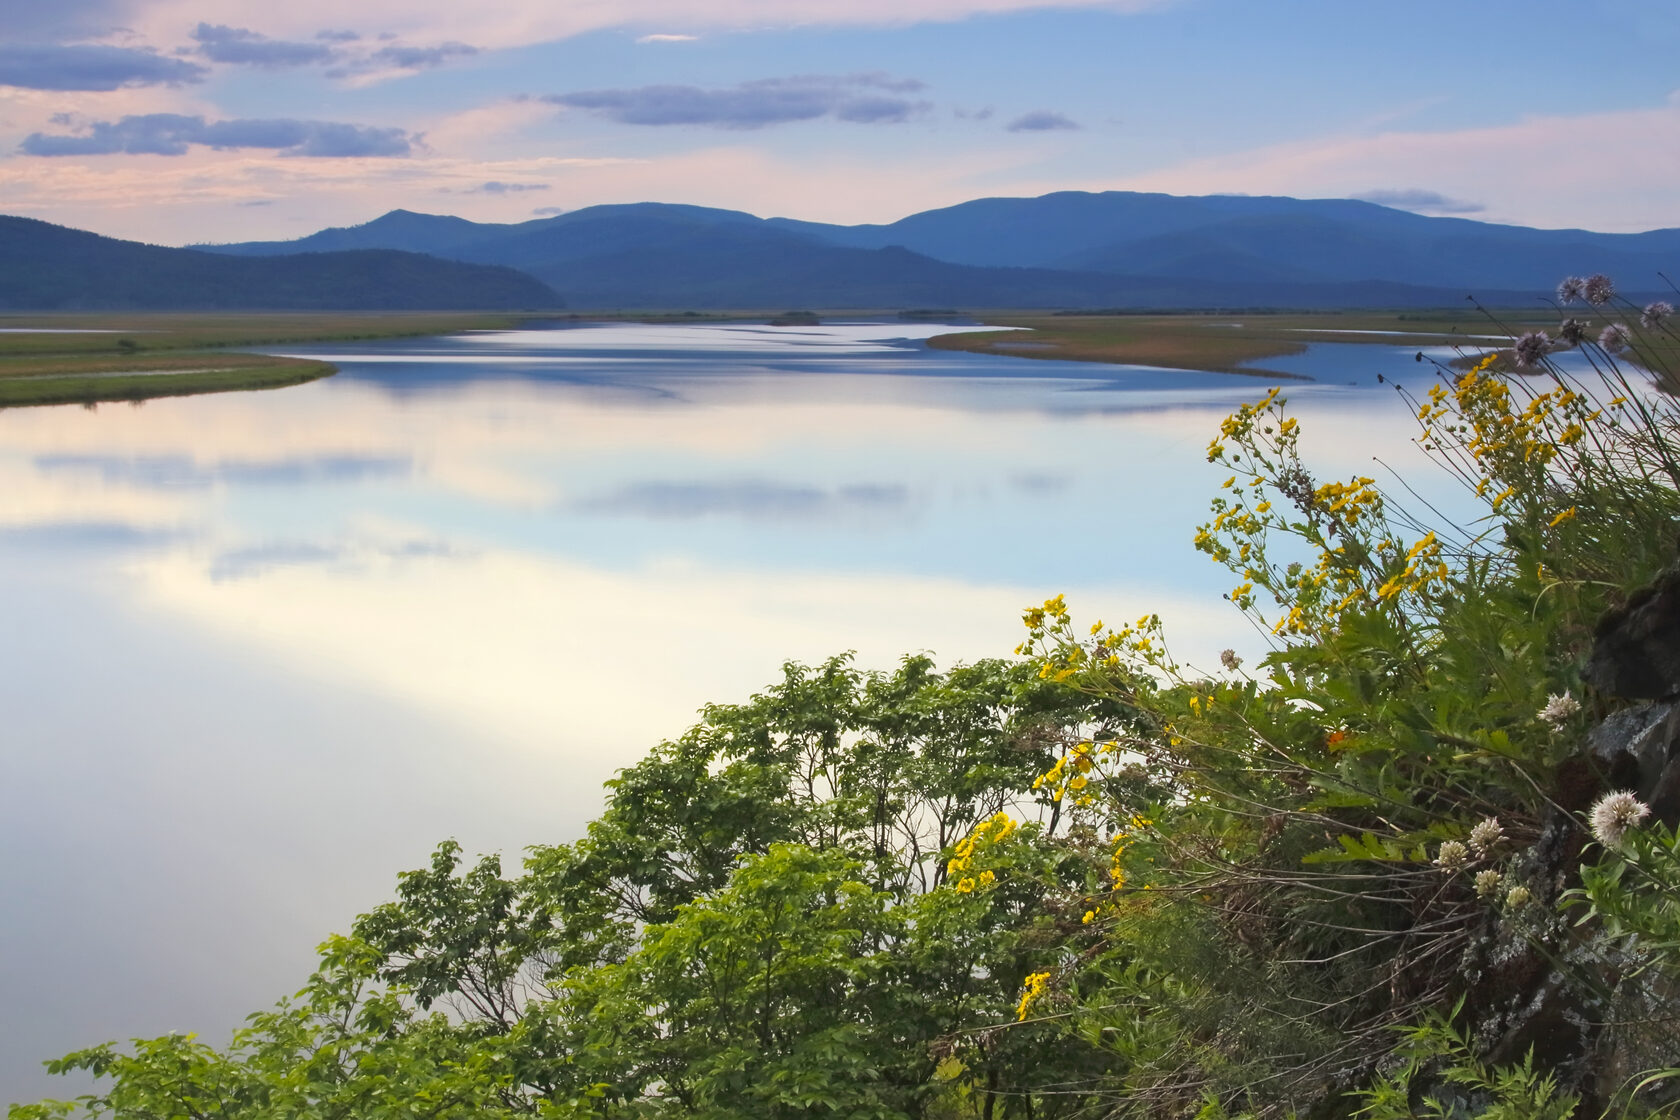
(264,650)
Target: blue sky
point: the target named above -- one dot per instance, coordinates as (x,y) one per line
(176,121)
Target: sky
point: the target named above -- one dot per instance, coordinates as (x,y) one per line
(186,121)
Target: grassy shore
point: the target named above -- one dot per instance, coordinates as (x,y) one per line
(48,358)
(1238,344)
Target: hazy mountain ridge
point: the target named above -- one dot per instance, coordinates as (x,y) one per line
(1068,249)
(49,267)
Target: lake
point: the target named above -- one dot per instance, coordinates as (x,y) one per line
(265,650)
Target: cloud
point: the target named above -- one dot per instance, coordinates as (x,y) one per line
(548,211)
(1533,187)
(183,472)
(750,499)
(421,58)
(100,536)
(1424,202)
(878,110)
(91,68)
(496,186)
(56,19)
(330,36)
(261,559)
(668,39)
(517,23)
(756,104)
(170,134)
(1040,120)
(220,43)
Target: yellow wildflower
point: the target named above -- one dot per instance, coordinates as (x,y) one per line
(1031,989)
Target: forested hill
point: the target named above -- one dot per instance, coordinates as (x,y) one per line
(48,267)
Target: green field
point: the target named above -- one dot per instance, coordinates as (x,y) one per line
(139,356)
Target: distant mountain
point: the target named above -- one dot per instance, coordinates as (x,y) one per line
(1284,240)
(48,267)
(1069,249)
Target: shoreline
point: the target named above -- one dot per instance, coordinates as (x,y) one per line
(1228,344)
(88,358)
(56,358)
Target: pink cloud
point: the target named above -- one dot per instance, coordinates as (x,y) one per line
(1607,171)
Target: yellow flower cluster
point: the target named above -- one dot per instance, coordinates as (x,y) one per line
(1423,566)
(1240,427)
(1508,450)
(1143,642)
(1053,610)
(1072,772)
(1355,560)
(1350,502)
(1032,989)
(1123,840)
(993,830)
(1068,655)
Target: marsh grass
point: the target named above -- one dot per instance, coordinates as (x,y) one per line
(95,387)
(1221,343)
(46,359)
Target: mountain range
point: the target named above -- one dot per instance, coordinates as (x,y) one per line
(1070,249)
(45,267)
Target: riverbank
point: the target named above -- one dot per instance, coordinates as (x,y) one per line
(1239,344)
(90,358)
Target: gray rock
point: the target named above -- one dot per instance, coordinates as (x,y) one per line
(1636,648)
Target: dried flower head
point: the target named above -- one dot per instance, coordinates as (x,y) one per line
(1486,836)
(1559,710)
(1599,289)
(1654,314)
(1229,659)
(1531,348)
(1613,814)
(1452,856)
(1572,332)
(1571,288)
(1487,882)
(1517,897)
(1615,338)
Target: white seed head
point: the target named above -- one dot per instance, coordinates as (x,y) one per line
(1613,814)
(1229,659)
(1486,836)
(1531,349)
(1452,856)
(1559,710)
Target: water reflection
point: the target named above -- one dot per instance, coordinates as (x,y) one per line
(266,649)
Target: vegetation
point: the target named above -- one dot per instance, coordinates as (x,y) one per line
(88,358)
(1220,343)
(1403,866)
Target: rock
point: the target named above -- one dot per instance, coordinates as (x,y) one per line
(1631,747)
(1636,648)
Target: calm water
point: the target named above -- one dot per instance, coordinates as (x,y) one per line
(264,650)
